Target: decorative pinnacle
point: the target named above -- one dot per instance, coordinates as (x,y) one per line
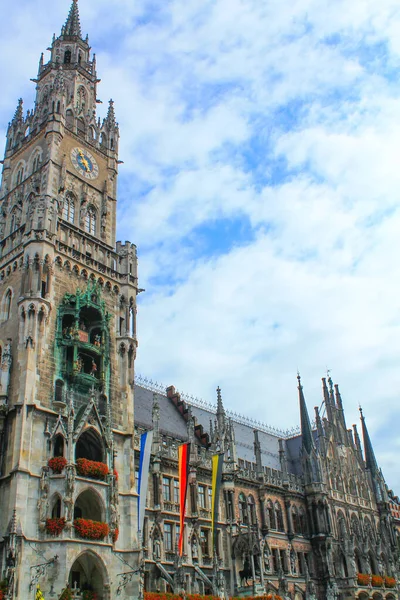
(18,116)
(111,113)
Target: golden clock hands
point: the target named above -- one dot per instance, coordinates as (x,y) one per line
(84,161)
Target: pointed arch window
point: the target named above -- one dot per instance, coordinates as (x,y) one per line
(20,175)
(252,510)
(69,120)
(243,509)
(91,221)
(69,208)
(295,520)
(271,520)
(67,57)
(81,127)
(7,305)
(279,517)
(36,162)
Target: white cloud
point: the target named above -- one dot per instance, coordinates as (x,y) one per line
(282,115)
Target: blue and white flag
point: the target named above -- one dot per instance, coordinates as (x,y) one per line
(146,441)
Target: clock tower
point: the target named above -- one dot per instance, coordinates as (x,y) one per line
(67,341)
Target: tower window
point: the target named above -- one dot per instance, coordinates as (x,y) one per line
(90,224)
(69,122)
(81,127)
(69,209)
(20,175)
(7,305)
(67,57)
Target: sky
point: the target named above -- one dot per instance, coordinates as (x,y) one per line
(261,185)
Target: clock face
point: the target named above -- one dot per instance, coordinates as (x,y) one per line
(84,163)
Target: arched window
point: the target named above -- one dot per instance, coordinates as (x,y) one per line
(58,445)
(69,120)
(279,517)
(7,305)
(81,127)
(302,522)
(90,224)
(36,162)
(20,175)
(88,506)
(59,391)
(103,140)
(69,208)
(67,57)
(271,520)
(342,529)
(56,507)
(89,446)
(242,509)
(252,510)
(295,520)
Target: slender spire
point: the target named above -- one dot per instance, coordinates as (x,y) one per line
(306,432)
(357,440)
(72,25)
(220,411)
(369,454)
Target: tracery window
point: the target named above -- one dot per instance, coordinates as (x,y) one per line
(279,517)
(7,305)
(271,520)
(90,224)
(69,208)
(243,509)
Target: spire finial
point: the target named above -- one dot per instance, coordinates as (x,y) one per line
(72,25)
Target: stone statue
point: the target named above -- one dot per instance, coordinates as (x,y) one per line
(332,591)
(156,549)
(195,552)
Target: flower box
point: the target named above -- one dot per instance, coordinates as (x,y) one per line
(377,581)
(91,530)
(89,595)
(91,468)
(390,582)
(55,526)
(363,578)
(57,464)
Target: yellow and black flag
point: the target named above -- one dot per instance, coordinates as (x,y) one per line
(216,478)
(39,595)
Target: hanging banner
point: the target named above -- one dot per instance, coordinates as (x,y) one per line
(184,454)
(146,441)
(216,478)
(39,595)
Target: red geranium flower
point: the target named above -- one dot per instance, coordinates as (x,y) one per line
(55,526)
(91,530)
(91,468)
(57,464)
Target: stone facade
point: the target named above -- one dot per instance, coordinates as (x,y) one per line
(67,337)
(305,515)
(300,514)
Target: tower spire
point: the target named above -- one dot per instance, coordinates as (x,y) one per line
(306,431)
(369,454)
(220,411)
(72,27)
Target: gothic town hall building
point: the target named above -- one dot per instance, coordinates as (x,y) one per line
(305,515)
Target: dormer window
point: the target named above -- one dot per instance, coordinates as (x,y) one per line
(67,57)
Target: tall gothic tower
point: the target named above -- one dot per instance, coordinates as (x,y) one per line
(67,340)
